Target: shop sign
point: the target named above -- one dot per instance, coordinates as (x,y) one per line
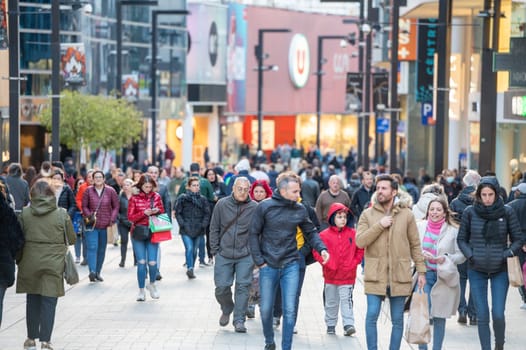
(514,106)
(407,39)
(299,60)
(427,44)
(513,62)
(130,87)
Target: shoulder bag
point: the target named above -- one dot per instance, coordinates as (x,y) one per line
(71,274)
(91,220)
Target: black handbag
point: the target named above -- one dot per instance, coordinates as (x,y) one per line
(141,233)
(91,220)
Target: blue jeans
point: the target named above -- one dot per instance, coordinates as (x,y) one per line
(225,270)
(202,249)
(499,291)
(439,323)
(466,308)
(145,250)
(96,241)
(190,248)
(277,311)
(287,278)
(40,316)
(374,303)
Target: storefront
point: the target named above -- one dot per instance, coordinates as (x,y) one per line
(289,82)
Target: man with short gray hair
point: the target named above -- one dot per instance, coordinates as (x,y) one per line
(229,235)
(330,196)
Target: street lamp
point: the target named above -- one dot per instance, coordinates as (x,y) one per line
(258,50)
(394,85)
(319,73)
(153,72)
(118,9)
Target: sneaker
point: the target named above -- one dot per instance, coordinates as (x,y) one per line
(473,321)
(30,344)
(152,288)
(239,327)
(77,260)
(462,318)
(92,277)
(141,296)
(190,273)
(275,321)
(349,330)
(331,330)
(224,319)
(270,346)
(99,278)
(523,306)
(84,262)
(46,345)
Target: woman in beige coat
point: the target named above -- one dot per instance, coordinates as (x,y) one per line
(438,235)
(41,268)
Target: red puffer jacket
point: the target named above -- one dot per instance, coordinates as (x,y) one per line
(139,203)
(344,254)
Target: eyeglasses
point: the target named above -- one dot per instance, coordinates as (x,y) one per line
(242,189)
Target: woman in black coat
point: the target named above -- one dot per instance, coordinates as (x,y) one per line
(489,234)
(219,188)
(123,224)
(64,193)
(11,242)
(192,212)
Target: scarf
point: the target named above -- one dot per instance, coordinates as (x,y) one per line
(195,198)
(434,227)
(491,214)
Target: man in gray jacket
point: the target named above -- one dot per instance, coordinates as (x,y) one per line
(229,228)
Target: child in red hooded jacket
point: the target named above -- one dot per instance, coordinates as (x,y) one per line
(339,272)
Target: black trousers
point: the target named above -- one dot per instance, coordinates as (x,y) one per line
(40,316)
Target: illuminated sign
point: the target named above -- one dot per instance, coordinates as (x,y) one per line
(299,60)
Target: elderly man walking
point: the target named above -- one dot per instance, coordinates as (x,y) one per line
(274,248)
(333,194)
(229,234)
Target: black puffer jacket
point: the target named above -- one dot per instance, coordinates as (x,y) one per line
(274,228)
(489,255)
(11,242)
(66,200)
(192,212)
(463,200)
(519,206)
(123,223)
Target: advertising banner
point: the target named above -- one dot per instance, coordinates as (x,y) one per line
(73,63)
(236,58)
(130,87)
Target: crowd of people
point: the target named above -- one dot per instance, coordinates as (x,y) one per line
(259,226)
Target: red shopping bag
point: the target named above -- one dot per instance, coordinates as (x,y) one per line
(162,236)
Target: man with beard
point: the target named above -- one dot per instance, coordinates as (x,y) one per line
(388,233)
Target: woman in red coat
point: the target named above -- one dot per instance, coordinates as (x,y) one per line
(141,206)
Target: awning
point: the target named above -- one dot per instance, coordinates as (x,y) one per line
(429,8)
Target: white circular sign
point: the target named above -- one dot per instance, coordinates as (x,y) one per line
(299,60)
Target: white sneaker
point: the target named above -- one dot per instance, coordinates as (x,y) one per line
(154,293)
(141,296)
(523,306)
(30,344)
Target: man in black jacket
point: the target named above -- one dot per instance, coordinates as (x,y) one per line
(362,197)
(229,245)
(274,248)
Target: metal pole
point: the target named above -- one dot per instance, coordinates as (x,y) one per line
(360,69)
(153,87)
(367,93)
(260,87)
(442,93)
(14,82)
(118,55)
(318,90)
(55,80)
(488,91)
(393,153)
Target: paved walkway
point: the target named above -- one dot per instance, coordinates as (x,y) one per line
(106,316)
